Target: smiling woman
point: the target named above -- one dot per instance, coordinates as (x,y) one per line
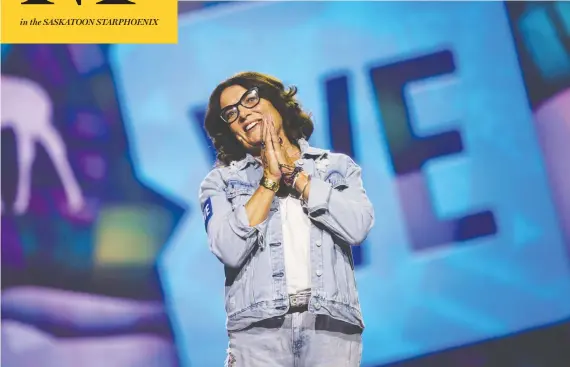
(274,95)
(248,132)
(276,223)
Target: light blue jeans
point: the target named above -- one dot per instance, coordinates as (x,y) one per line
(299,339)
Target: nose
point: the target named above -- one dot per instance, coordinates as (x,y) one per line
(243,113)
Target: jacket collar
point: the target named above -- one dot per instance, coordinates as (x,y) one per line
(309,151)
(306,152)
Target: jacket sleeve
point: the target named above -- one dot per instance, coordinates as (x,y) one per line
(230,237)
(346,210)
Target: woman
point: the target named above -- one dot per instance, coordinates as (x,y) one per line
(282,217)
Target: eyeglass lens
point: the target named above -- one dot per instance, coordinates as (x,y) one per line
(249,100)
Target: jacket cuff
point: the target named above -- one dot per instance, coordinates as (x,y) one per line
(239,223)
(319,195)
(261,232)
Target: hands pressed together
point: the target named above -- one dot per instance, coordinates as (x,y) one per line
(278,165)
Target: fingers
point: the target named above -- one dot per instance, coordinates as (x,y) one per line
(276,144)
(270,120)
(268,139)
(271,132)
(266,156)
(272,138)
(268,127)
(267,146)
(264,133)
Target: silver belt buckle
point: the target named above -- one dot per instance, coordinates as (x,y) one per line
(298,299)
(293,300)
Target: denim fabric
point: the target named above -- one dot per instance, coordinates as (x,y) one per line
(299,339)
(341,216)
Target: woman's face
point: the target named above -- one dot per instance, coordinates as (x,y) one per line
(244,110)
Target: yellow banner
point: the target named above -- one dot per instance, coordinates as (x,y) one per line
(89,21)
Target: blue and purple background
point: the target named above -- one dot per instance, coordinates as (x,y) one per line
(458,112)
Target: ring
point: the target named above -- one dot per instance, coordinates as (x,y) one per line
(263,144)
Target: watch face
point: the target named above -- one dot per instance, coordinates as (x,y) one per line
(269,184)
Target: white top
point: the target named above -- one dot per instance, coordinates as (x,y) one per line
(296,244)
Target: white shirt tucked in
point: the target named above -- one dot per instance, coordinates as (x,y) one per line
(296,244)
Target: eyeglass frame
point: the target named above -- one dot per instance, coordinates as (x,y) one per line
(240,103)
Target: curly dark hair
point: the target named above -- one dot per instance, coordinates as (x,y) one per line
(297,123)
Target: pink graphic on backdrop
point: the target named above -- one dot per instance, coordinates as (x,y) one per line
(101,331)
(27,110)
(553,127)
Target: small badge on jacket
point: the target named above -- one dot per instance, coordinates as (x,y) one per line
(207,211)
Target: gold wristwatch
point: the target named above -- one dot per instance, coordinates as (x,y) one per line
(269,184)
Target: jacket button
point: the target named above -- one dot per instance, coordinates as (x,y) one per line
(319,243)
(319,272)
(317,305)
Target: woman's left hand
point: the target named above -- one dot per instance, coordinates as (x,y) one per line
(287,165)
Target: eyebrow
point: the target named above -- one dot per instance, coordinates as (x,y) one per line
(229,104)
(222,107)
(238,101)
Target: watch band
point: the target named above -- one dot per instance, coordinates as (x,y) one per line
(269,184)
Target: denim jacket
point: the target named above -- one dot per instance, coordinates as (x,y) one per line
(341,215)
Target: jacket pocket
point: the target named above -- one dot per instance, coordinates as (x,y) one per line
(239,192)
(337,180)
(240,294)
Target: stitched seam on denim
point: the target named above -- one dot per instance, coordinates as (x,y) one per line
(253,306)
(322,299)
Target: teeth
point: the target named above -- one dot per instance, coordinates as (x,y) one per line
(250,126)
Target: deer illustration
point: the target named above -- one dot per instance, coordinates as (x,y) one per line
(27,110)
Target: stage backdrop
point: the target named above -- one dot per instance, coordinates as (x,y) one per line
(429,100)
(459,114)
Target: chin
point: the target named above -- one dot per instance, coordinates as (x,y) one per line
(254,140)
(251,145)
(255,144)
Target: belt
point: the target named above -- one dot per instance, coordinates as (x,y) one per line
(299,302)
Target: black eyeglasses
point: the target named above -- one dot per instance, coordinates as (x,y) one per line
(249,99)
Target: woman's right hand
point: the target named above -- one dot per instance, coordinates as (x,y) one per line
(271,169)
